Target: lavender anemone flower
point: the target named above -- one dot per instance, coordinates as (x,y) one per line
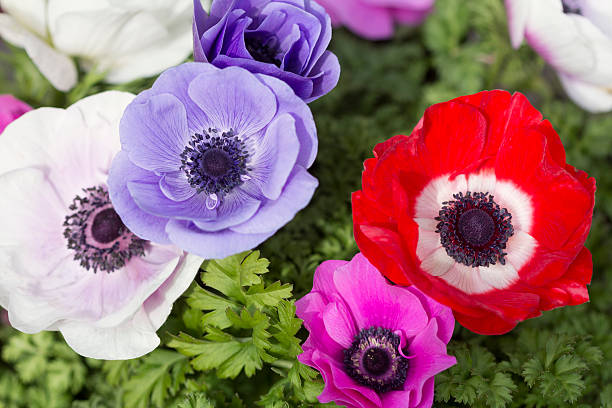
(67,262)
(286,39)
(213,160)
(375,344)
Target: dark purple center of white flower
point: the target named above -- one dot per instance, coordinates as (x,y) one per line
(214,162)
(97,235)
(263,48)
(474,229)
(571,7)
(374,360)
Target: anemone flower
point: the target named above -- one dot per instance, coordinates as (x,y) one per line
(286,39)
(10,109)
(68,263)
(479,209)
(376,345)
(214,160)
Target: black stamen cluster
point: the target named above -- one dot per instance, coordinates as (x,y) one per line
(263,51)
(373,360)
(98,255)
(474,229)
(215,162)
(571,7)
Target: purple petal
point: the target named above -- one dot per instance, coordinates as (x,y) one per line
(199,16)
(327,71)
(139,222)
(176,186)
(395,399)
(211,245)
(339,324)
(149,197)
(233,98)
(377,303)
(176,81)
(443,314)
(289,102)
(154,132)
(275,156)
(235,208)
(275,214)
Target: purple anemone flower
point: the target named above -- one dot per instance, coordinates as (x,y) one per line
(286,39)
(376,345)
(213,160)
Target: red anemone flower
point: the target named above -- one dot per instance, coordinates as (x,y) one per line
(479,210)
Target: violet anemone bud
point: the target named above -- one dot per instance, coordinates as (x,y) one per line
(213,160)
(376,345)
(286,39)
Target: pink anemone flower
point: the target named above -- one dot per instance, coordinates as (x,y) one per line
(376,345)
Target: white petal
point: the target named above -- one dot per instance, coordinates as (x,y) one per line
(498,276)
(56,67)
(518,14)
(482,183)
(466,279)
(520,248)
(518,203)
(429,202)
(427,243)
(438,263)
(159,305)
(28,13)
(592,98)
(134,338)
(599,13)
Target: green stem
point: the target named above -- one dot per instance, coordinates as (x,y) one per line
(283,364)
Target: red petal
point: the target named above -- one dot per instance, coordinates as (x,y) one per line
(453,137)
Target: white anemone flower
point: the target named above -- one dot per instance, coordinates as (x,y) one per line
(575,37)
(67,262)
(127,39)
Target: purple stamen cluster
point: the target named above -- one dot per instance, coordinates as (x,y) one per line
(374,360)
(215,162)
(97,235)
(263,50)
(474,229)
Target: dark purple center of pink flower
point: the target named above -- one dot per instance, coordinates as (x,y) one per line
(97,235)
(374,360)
(571,7)
(107,226)
(215,162)
(474,229)
(263,48)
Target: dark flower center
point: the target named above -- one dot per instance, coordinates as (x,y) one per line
(373,360)
(214,162)
(263,48)
(474,229)
(107,226)
(97,235)
(571,7)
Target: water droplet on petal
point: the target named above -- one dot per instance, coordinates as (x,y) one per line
(244,177)
(212,201)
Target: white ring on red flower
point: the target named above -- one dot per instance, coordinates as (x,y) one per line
(434,259)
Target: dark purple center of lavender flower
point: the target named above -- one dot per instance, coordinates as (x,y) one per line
(263,48)
(474,229)
(571,7)
(97,235)
(215,162)
(374,360)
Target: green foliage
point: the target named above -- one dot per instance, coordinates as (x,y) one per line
(233,340)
